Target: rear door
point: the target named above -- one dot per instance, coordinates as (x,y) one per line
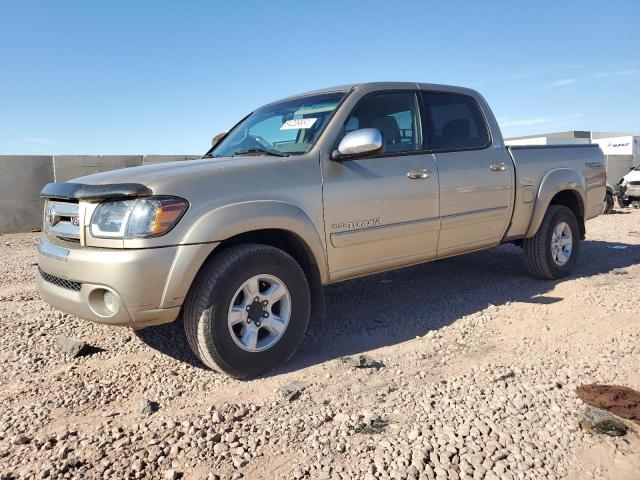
(382,211)
(476,179)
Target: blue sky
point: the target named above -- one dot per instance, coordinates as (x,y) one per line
(163,77)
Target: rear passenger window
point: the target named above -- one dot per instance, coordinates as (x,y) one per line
(453,122)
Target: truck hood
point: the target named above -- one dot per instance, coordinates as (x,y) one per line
(194,180)
(633,176)
(153,174)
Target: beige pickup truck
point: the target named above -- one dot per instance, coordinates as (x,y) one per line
(303,192)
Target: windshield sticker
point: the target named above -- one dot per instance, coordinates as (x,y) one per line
(298,123)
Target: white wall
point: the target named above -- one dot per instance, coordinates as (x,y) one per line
(546,141)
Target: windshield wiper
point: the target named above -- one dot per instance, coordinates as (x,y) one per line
(249,151)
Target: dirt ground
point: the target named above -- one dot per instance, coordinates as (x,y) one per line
(476,366)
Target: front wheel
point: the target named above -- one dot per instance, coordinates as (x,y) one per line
(623,203)
(608,204)
(247,310)
(552,251)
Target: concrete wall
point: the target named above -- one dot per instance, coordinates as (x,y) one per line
(150,159)
(67,167)
(21,179)
(23,176)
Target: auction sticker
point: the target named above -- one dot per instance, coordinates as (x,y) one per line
(298,123)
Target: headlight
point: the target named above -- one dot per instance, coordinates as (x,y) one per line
(137,218)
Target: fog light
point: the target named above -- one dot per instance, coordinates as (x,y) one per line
(111,301)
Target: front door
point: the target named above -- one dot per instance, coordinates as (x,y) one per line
(476,179)
(382,211)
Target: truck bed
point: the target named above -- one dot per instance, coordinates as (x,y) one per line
(534,163)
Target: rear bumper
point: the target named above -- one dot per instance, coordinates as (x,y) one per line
(75,280)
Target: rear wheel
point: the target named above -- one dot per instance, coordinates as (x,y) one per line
(247,310)
(552,251)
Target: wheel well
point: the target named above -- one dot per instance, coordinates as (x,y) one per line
(571,199)
(294,246)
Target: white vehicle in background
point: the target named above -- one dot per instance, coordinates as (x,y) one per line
(628,190)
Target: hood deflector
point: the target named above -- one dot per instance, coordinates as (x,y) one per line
(80,191)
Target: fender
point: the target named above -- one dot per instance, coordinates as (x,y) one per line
(552,183)
(230,220)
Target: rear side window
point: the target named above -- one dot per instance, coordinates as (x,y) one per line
(453,122)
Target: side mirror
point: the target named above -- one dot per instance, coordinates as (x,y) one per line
(217,139)
(365,141)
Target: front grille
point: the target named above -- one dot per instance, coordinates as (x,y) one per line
(60,282)
(61,219)
(634,183)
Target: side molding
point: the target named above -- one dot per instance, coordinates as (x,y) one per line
(552,183)
(230,220)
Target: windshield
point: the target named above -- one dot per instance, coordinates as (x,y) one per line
(290,127)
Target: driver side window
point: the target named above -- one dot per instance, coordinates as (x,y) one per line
(395,114)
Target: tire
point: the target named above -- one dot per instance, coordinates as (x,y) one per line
(608,204)
(219,296)
(538,251)
(623,203)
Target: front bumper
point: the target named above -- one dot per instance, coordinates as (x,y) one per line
(73,279)
(626,190)
(632,191)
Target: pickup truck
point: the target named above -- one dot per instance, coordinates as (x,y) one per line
(304,192)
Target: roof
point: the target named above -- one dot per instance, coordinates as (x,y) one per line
(381,86)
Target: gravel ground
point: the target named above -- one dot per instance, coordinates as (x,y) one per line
(474,371)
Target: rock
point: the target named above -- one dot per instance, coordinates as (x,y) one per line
(63,452)
(602,422)
(238,462)
(361,361)
(376,426)
(20,440)
(71,463)
(298,473)
(72,346)
(509,374)
(294,389)
(148,407)
(341,417)
(171,475)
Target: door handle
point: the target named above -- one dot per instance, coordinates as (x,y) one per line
(498,167)
(419,174)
